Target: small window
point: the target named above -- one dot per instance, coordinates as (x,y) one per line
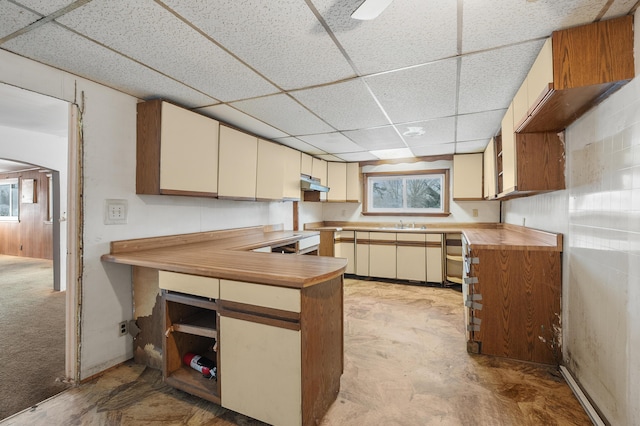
(9,201)
(410,193)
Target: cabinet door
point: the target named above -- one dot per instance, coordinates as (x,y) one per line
(382,255)
(362,254)
(467,177)
(411,257)
(490,170)
(188,152)
(345,247)
(337,181)
(291,174)
(260,371)
(353,183)
(540,76)
(521,104)
(306,164)
(434,258)
(509,177)
(270,173)
(238,164)
(319,170)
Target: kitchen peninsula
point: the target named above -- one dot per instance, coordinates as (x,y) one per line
(273,323)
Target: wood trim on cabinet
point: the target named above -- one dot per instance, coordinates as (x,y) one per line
(148,147)
(279,314)
(252,317)
(188,193)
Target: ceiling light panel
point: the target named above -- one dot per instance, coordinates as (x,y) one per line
(333,143)
(489,80)
(285,114)
(377,138)
(55,46)
(152,35)
(470,147)
(241,120)
(300,145)
(282,39)
(390,154)
(408,32)
(46,7)
(509,21)
(357,156)
(13,18)
(419,93)
(346,106)
(440,130)
(441,149)
(483,125)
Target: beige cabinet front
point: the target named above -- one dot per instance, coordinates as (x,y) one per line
(337,181)
(353,183)
(306,164)
(411,257)
(238,164)
(467,177)
(382,255)
(271,168)
(345,247)
(291,182)
(319,171)
(362,253)
(509,178)
(490,170)
(434,258)
(260,371)
(188,151)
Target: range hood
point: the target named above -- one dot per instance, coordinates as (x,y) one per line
(308,183)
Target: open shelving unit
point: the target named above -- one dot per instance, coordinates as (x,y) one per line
(453,258)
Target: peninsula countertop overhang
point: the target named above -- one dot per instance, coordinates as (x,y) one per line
(226,254)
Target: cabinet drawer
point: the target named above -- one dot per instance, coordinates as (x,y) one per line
(190,284)
(434,238)
(308,242)
(286,299)
(411,237)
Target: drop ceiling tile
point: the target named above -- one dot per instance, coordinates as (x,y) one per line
(147,32)
(440,149)
(619,8)
(376,138)
(508,21)
(419,93)
(408,32)
(283,40)
(46,7)
(333,143)
(357,156)
(13,18)
(300,145)
(489,80)
(480,125)
(469,147)
(329,157)
(346,106)
(440,130)
(55,46)
(283,113)
(232,116)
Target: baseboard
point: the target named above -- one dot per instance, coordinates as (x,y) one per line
(582,397)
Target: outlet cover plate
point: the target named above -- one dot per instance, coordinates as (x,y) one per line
(115,212)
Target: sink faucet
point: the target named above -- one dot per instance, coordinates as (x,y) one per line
(401,225)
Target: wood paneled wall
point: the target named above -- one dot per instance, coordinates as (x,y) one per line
(32,236)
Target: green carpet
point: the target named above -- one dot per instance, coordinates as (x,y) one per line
(32,334)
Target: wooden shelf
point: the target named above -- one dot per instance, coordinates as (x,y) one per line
(199,324)
(454,279)
(456,258)
(193,382)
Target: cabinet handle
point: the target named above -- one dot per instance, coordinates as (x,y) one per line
(470,280)
(471,327)
(168,332)
(473,305)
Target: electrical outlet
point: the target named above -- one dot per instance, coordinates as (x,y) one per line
(115,212)
(475,212)
(123,328)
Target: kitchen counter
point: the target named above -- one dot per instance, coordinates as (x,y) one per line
(227,254)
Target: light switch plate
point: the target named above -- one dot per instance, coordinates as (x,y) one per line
(115,212)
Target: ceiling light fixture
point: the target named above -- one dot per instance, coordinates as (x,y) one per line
(370,9)
(390,154)
(414,132)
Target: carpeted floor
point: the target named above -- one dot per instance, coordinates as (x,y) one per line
(31,334)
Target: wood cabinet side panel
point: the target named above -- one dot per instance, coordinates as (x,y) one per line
(148,147)
(541,161)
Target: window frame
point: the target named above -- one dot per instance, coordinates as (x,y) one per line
(445,195)
(12,181)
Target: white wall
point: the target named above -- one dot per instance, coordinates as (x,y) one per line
(461,211)
(599,215)
(47,151)
(109,172)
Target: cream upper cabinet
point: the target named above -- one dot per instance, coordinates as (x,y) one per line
(382,255)
(354,192)
(490,170)
(467,176)
(337,181)
(291,183)
(306,164)
(271,170)
(238,164)
(508,176)
(435,272)
(411,257)
(540,75)
(521,103)
(319,171)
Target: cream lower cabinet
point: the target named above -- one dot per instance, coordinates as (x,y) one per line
(434,258)
(262,371)
(362,253)
(382,255)
(344,246)
(411,257)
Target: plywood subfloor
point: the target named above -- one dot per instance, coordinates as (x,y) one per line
(405,364)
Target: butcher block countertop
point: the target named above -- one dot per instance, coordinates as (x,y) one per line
(226,254)
(492,236)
